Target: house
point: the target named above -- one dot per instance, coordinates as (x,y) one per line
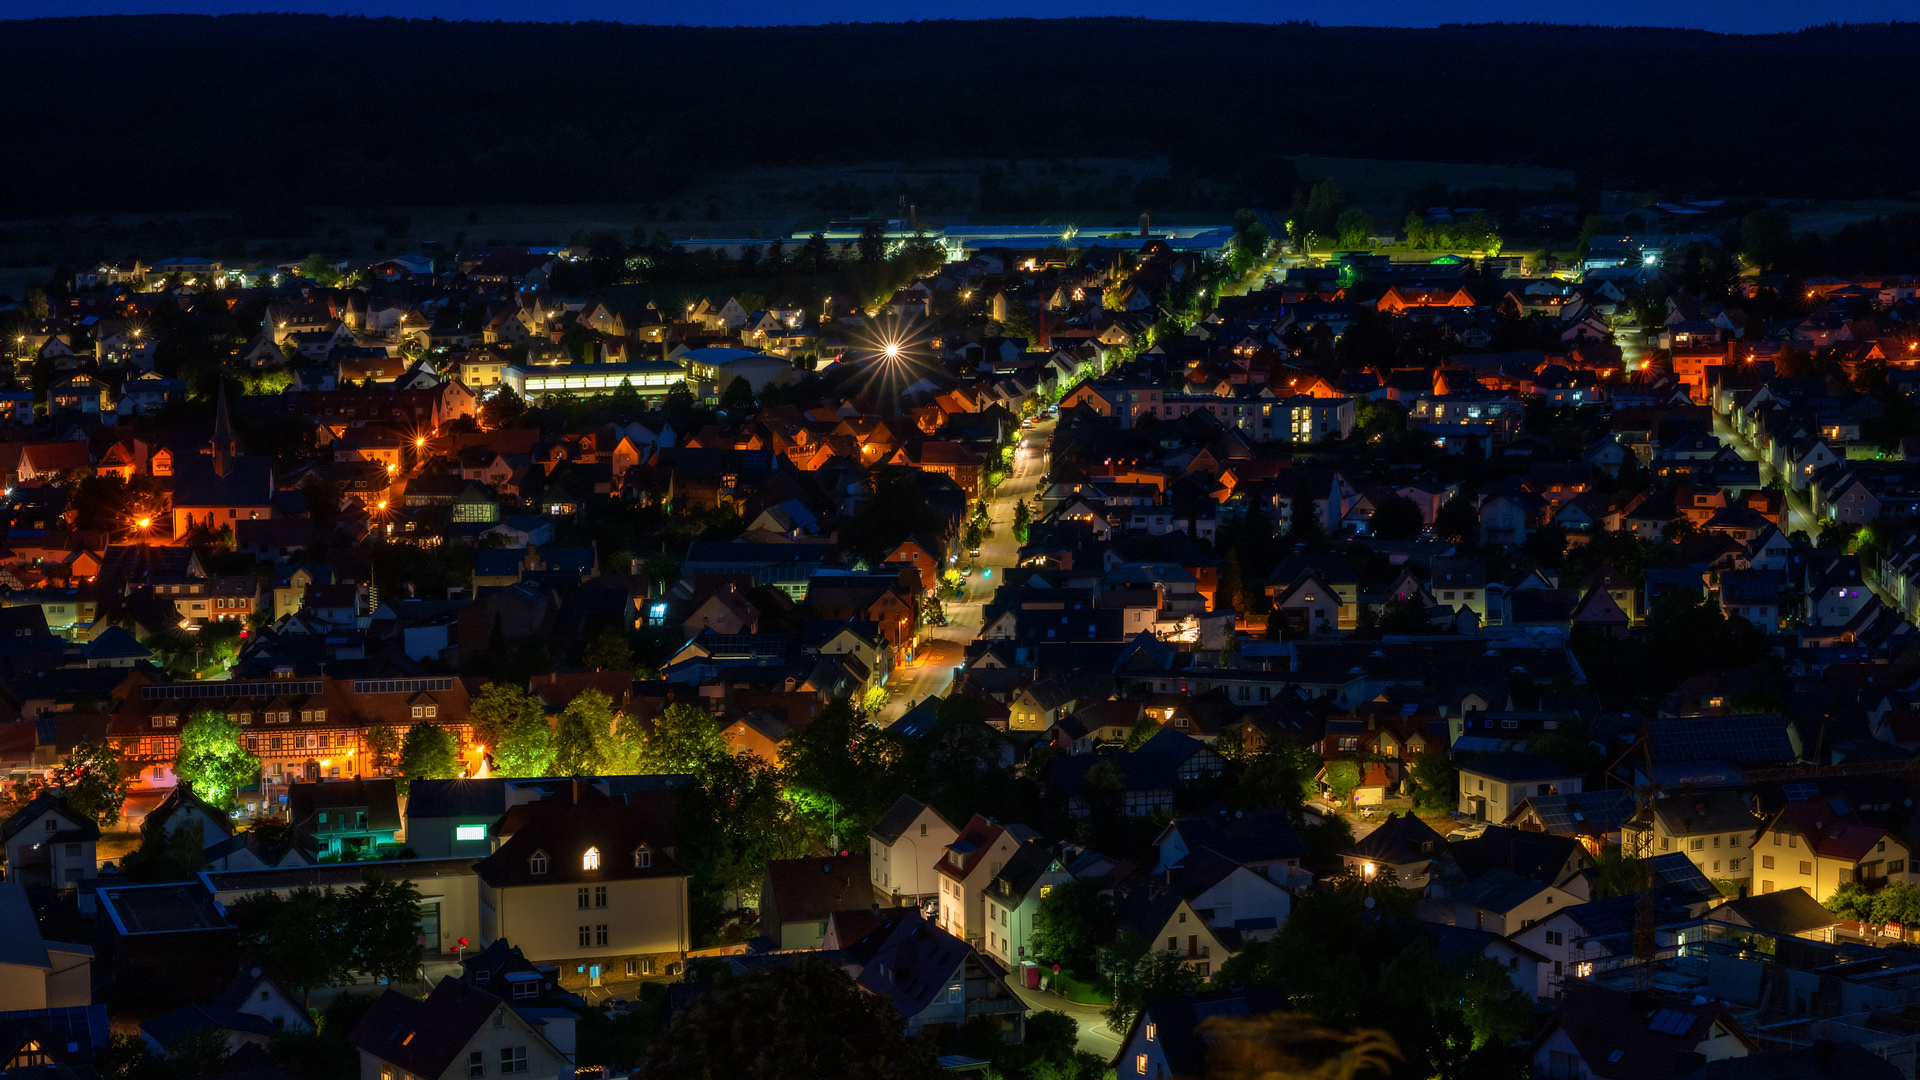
(1713,827)
(183,810)
(1786,913)
(797,897)
(1753,595)
(964,869)
(1819,845)
(1506,902)
(460,1032)
(902,848)
(50,844)
(1172,925)
(1165,1040)
(1492,786)
(1143,781)
(348,817)
(1404,846)
(1013,898)
(36,973)
(589,883)
(1310,607)
(1604,1034)
(1263,841)
(250,1011)
(933,979)
(1591,818)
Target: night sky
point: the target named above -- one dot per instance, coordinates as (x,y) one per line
(1737,16)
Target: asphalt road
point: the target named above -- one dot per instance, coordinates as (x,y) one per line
(1095,1037)
(1799,512)
(931,672)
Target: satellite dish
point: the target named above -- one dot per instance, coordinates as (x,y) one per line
(1369,903)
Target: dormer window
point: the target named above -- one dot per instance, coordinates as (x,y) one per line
(591,860)
(642,857)
(537,863)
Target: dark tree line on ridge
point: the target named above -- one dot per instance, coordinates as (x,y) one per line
(475,113)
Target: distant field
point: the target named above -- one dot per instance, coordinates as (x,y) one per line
(750,200)
(1370,181)
(1829,216)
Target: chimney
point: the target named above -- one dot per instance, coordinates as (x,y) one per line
(576,791)
(1146,220)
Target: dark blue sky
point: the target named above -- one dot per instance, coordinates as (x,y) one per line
(1741,16)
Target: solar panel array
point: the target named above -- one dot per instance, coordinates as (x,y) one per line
(231,689)
(1585,809)
(1800,791)
(1670,1022)
(1747,740)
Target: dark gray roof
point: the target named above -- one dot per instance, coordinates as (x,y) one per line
(1517,767)
(1015,880)
(1262,836)
(1537,855)
(898,817)
(1714,811)
(1789,911)
(423,1037)
(1398,841)
(457,798)
(1500,890)
(170,1028)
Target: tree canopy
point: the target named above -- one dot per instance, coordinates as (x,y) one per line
(211,762)
(795,1021)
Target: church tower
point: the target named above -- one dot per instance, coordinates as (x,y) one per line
(225,445)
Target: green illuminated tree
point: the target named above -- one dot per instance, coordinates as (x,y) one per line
(211,762)
(685,739)
(583,727)
(1074,920)
(383,745)
(428,753)
(514,725)
(92,781)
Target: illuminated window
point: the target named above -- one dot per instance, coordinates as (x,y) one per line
(1140,1064)
(470,832)
(591,860)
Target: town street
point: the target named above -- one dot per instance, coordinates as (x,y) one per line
(1799,513)
(1095,1036)
(944,646)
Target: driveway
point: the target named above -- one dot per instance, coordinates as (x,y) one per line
(1095,1037)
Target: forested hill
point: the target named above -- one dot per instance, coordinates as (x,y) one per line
(177,111)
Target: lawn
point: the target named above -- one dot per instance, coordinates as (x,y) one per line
(1069,986)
